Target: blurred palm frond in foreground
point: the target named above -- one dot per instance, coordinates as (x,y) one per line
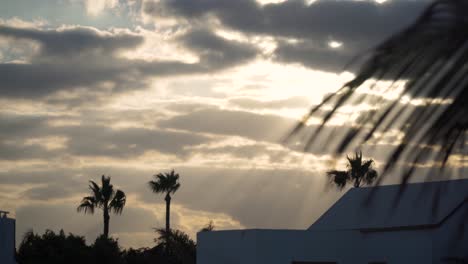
(429,61)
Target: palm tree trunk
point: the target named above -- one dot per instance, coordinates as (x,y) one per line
(357,183)
(106,222)
(168,210)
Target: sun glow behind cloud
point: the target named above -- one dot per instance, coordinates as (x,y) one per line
(95,7)
(335,44)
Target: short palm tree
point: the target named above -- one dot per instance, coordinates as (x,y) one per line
(166,183)
(105,198)
(358,172)
(178,246)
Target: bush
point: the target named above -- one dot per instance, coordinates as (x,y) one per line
(52,248)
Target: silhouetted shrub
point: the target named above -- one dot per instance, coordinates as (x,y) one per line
(52,248)
(174,247)
(106,250)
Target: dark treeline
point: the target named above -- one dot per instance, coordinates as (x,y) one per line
(173,247)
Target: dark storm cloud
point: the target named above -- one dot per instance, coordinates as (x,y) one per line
(358,24)
(84,58)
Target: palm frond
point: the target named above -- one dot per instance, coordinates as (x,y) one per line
(96,190)
(430,58)
(107,190)
(370,176)
(118,202)
(175,187)
(87,205)
(103,197)
(165,182)
(340,178)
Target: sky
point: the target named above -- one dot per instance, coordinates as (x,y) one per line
(132,88)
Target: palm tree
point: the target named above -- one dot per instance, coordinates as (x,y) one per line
(359,172)
(430,59)
(166,183)
(208,228)
(178,246)
(105,198)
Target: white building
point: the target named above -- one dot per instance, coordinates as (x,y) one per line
(7,239)
(413,227)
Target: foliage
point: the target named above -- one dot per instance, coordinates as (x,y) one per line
(105,198)
(175,247)
(106,250)
(141,256)
(209,227)
(178,247)
(430,58)
(358,171)
(52,248)
(165,183)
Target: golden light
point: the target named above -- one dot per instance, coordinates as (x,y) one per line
(335,44)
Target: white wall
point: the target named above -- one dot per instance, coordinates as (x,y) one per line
(284,246)
(451,239)
(227,247)
(7,241)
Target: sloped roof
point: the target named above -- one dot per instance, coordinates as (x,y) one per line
(416,207)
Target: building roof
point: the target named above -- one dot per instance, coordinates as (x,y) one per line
(420,205)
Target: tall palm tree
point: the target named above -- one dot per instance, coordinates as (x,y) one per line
(105,198)
(166,183)
(358,171)
(430,59)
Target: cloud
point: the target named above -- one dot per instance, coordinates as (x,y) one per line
(95,7)
(87,139)
(68,58)
(48,192)
(316,55)
(74,58)
(234,123)
(102,141)
(74,41)
(216,51)
(253,126)
(357,24)
(249,103)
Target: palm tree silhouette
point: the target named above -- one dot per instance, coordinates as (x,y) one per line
(178,246)
(358,172)
(105,198)
(167,183)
